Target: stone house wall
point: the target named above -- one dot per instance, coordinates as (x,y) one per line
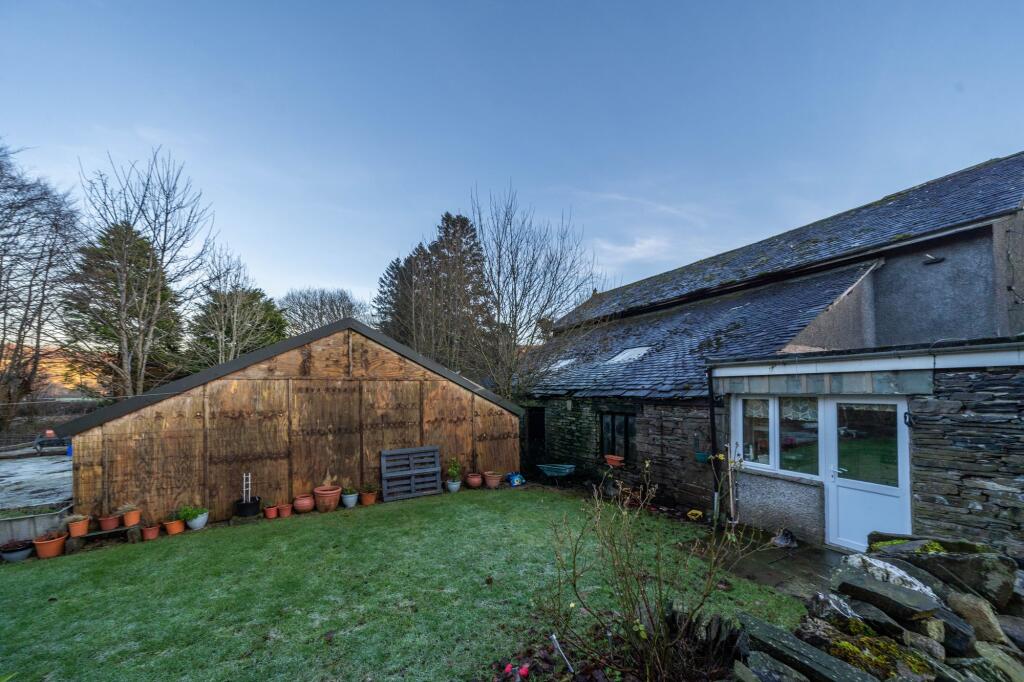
(967,456)
(665,436)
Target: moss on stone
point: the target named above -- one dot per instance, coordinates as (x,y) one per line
(878,546)
(931,547)
(880,656)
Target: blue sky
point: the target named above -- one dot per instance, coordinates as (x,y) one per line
(330,137)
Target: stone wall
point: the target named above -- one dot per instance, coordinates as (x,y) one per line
(664,436)
(967,457)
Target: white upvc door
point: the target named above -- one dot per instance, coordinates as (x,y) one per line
(867,469)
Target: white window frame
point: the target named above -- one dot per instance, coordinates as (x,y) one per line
(774,459)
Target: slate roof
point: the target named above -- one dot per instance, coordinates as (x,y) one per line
(207,375)
(974,194)
(752,322)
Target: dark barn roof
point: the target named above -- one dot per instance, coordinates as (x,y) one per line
(207,375)
(753,322)
(968,196)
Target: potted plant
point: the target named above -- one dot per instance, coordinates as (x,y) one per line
(15,550)
(614,461)
(173,525)
(349,497)
(454,480)
(270,510)
(368,495)
(130,514)
(248,504)
(195,517)
(474,480)
(492,479)
(109,522)
(78,525)
(150,530)
(284,510)
(327,497)
(303,503)
(50,544)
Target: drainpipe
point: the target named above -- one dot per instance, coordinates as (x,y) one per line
(716,473)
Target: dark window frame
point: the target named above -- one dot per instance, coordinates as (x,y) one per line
(610,424)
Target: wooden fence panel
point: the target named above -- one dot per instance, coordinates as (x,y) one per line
(87,471)
(496,437)
(448,422)
(324,434)
(247,432)
(390,420)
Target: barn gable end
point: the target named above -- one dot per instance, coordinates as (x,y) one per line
(312,413)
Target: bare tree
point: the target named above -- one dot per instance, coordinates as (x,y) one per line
(147,233)
(536,272)
(234,316)
(36,228)
(312,308)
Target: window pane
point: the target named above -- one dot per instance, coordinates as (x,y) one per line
(798,434)
(755,431)
(620,435)
(631,435)
(606,434)
(868,450)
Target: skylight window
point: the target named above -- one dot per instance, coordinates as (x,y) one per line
(628,355)
(562,364)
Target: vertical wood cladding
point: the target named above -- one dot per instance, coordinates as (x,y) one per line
(312,415)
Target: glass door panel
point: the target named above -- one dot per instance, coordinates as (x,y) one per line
(868,448)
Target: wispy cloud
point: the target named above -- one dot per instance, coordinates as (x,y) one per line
(695,214)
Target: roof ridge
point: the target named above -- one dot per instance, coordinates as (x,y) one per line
(723,255)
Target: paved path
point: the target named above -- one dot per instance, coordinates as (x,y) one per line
(32,481)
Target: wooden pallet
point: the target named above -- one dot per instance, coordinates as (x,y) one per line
(410,472)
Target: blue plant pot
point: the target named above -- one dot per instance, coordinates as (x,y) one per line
(702,457)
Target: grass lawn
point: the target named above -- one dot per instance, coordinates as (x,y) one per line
(433,588)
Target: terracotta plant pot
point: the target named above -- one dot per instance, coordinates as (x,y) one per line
(150,532)
(327,497)
(303,504)
(284,510)
(130,518)
(368,498)
(492,479)
(614,461)
(109,522)
(47,549)
(474,480)
(77,529)
(270,512)
(174,527)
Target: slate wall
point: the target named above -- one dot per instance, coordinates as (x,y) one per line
(664,436)
(967,456)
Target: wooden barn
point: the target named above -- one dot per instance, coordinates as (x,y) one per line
(312,409)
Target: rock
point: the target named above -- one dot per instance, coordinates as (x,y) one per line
(959,635)
(944,673)
(876,619)
(1015,607)
(940,588)
(831,608)
(978,669)
(764,668)
(1013,628)
(742,673)
(924,644)
(817,632)
(802,657)
(991,576)
(886,572)
(899,602)
(980,615)
(951,544)
(1001,658)
(932,628)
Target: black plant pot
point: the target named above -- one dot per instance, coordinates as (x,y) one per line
(250,508)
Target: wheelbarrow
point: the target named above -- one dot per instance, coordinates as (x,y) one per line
(556,471)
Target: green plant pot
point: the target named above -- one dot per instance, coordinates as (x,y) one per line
(702,457)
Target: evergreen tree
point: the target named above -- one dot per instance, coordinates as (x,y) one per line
(123,321)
